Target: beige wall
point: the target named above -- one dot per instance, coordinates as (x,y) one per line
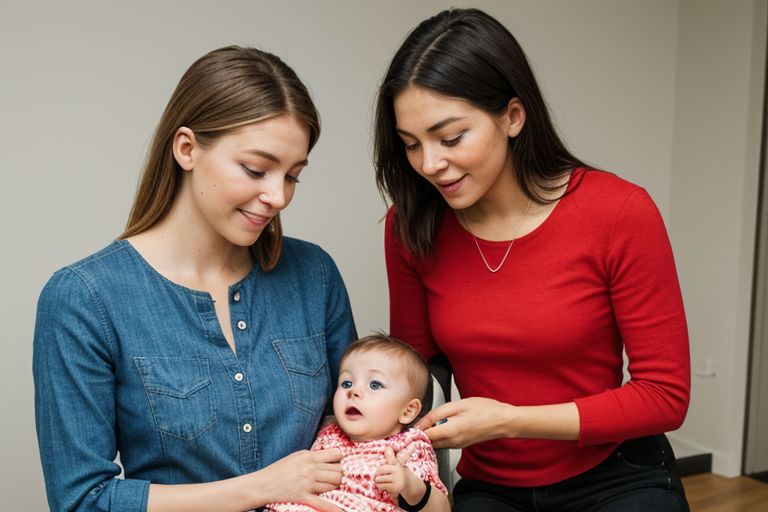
(715,163)
(82,85)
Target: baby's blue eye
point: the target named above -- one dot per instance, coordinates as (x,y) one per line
(346,384)
(374,385)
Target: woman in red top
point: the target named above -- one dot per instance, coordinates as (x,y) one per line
(530,273)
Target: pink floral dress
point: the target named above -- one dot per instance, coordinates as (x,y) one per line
(361,460)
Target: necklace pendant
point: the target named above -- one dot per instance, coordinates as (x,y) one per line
(501,263)
(493,270)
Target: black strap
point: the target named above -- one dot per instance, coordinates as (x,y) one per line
(420,505)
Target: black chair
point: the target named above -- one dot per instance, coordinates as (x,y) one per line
(438,393)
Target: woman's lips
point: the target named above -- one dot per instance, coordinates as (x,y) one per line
(257,221)
(451,187)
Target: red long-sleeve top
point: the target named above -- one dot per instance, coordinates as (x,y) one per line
(597,276)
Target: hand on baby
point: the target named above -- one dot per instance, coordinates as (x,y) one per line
(397,479)
(302,475)
(466,422)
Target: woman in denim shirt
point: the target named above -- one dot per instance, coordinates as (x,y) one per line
(202,345)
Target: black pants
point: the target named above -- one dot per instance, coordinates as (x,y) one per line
(640,475)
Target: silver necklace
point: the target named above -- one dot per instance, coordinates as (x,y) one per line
(509,247)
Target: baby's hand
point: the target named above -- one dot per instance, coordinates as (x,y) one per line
(397,479)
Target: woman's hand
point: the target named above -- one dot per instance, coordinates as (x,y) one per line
(302,475)
(474,420)
(467,422)
(299,477)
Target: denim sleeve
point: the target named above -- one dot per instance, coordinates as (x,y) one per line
(339,325)
(73,369)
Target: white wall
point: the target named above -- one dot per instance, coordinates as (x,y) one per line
(83,83)
(715,168)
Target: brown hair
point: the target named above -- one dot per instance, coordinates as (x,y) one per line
(416,370)
(222,91)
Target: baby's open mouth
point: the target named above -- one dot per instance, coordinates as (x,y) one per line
(353,411)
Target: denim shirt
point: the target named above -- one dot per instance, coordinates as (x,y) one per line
(127,361)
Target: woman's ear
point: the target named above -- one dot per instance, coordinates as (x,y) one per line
(410,411)
(515,116)
(183,147)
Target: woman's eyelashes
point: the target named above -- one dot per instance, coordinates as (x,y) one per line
(253,173)
(453,141)
(445,142)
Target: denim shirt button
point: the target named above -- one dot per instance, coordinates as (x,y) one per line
(238,377)
(247,428)
(236,296)
(241,325)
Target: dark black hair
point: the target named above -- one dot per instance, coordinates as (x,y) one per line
(469,55)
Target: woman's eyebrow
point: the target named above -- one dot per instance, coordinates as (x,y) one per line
(440,124)
(270,156)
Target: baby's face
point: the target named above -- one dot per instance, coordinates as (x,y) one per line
(373,396)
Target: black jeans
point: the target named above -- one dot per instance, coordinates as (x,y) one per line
(640,475)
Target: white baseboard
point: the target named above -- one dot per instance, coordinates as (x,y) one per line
(725,465)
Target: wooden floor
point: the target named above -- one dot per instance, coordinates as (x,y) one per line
(714,493)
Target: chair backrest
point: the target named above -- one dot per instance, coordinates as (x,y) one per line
(439,392)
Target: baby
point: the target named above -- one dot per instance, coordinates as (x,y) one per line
(381,383)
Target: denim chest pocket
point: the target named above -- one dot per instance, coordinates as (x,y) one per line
(305,363)
(179,393)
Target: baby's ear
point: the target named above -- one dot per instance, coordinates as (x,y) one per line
(410,411)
